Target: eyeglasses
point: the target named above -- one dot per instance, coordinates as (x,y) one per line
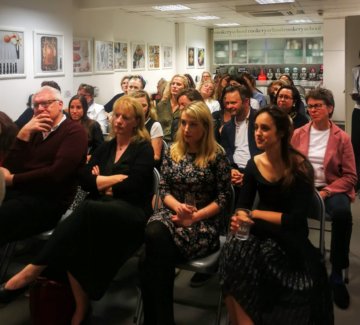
(45,104)
(315,106)
(284,97)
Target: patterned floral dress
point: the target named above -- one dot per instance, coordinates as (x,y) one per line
(208,184)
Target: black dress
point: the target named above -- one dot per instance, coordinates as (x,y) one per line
(277,275)
(104,231)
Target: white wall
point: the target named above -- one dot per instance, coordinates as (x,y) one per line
(352,58)
(334,64)
(49,16)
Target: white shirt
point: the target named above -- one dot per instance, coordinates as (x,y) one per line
(317,148)
(97,112)
(213,105)
(242,152)
(54,128)
(254,103)
(156,130)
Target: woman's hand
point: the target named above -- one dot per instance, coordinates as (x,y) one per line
(95,170)
(241,216)
(184,215)
(181,222)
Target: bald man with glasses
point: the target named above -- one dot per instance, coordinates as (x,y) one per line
(40,169)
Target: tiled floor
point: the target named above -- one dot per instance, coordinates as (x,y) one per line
(118,305)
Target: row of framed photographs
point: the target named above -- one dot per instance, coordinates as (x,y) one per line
(88,56)
(110,56)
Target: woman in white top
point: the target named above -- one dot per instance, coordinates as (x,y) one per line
(329,150)
(207,91)
(154,128)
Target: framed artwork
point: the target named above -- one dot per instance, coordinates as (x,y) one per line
(190,51)
(167,56)
(12,60)
(200,57)
(138,56)
(153,57)
(120,56)
(104,57)
(82,56)
(48,54)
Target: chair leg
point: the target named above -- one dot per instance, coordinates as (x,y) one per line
(5,259)
(139,309)
(219,307)
(346,275)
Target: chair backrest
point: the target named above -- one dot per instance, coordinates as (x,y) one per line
(318,213)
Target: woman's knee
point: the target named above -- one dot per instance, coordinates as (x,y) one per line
(157,233)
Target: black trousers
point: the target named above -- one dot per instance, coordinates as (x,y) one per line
(338,208)
(24,215)
(157,273)
(355,139)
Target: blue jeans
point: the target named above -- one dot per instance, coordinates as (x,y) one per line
(338,209)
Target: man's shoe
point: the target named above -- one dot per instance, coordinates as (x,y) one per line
(340,295)
(199,279)
(7,295)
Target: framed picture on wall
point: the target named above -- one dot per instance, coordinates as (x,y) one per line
(48,54)
(190,54)
(104,57)
(153,56)
(12,60)
(200,57)
(138,56)
(167,58)
(120,56)
(82,56)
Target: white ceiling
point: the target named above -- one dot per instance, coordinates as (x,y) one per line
(244,12)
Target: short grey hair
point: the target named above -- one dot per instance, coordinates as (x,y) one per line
(55,92)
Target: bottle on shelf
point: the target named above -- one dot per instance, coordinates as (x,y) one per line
(312,74)
(295,74)
(270,74)
(303,73)
(321,72)
(277,73)
(262,75)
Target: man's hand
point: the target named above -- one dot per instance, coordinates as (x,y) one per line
(236,177)
(39,123)
(7,176)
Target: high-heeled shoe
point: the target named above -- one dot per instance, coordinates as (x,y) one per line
(7,295)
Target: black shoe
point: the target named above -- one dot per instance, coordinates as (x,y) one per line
(340,295)
(7,295)
(199,279)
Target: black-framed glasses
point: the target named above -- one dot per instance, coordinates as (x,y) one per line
(45,104)
(315,106)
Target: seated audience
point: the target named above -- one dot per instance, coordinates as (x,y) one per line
(95,111)
(331,154)
(78,112)
(108,227)
(151,124)
(136,83)
(256,93)
(40,169)
(160,91)
(207,91)
(240,81)
(276,275)
(273,88)
(29,112)
(124,87)
(194,166)
(167,110)
(237,136)
(288,99)
(8,132)
(221,84)
(184,98)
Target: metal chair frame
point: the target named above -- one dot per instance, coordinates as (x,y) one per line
(206,265)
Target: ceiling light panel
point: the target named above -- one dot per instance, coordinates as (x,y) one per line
(267,2)
(171,8)
(205,17)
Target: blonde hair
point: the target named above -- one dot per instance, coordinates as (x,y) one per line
(208,82)
(208,147)
(167,94)
(130,104)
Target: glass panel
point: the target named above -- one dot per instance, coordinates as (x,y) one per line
(314,50)
(275,50)
(256,51)
(221,52)
(293,51)
(239,51)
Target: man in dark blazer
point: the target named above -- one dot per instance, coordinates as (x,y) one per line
(237,136)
